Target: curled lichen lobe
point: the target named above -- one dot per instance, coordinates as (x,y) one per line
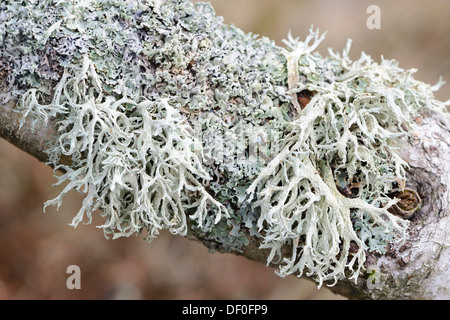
(172,119)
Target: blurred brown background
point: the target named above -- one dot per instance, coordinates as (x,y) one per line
(37,248)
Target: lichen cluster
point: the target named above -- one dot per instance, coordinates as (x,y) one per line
(172,119)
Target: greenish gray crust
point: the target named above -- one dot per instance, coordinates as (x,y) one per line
(171,118)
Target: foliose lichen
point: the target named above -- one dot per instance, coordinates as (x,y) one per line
(172,118)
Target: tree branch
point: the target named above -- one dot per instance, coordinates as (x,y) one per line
(34,143)
(415,269)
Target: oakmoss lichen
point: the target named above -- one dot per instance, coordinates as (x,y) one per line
(172,118)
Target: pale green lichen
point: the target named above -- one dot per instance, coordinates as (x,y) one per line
(173,119)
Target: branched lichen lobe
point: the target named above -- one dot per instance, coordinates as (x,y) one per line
(172,118)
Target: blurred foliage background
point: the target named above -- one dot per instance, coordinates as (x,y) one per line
(36,248)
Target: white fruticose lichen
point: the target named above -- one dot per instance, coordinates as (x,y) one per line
(172,119)
(139,169)
(351,126)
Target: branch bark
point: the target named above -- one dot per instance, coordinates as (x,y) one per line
(24,138)
(417,269)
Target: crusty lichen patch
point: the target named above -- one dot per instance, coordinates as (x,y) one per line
(173,119)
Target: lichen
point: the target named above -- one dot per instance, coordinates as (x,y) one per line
(173,119)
